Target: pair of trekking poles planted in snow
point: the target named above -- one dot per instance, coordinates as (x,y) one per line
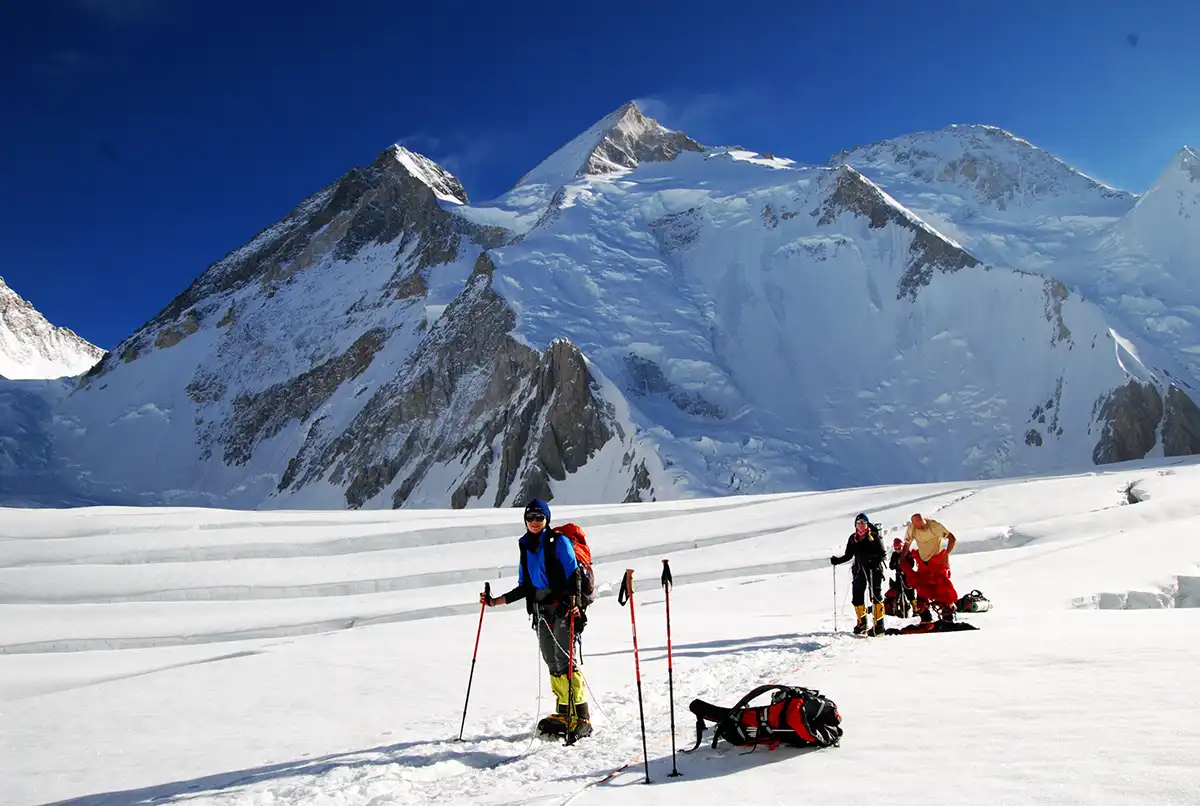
(624,596)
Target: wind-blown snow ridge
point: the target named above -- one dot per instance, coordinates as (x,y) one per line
(32,348)
(908,214)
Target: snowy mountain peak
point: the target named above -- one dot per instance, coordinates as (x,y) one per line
(992,170)
(620,140)
(31,347)
(1175,194)
(1189,159)
(1185,167)
(1165,222)
(400,195)
(443,184)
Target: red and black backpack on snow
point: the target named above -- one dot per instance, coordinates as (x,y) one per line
(800,717)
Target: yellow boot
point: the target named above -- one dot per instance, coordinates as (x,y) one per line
(861,627)
(581,725)
(556,723)
(878,628)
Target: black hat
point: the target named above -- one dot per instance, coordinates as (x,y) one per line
(538,505)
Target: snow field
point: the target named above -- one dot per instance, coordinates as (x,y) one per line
(1052,700)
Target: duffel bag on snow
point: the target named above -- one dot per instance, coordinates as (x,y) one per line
(973,602)
(796,716)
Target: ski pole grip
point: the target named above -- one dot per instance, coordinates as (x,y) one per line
(487,590)
(626,591)
(666,574)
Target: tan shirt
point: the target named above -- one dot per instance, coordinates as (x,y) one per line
(929,540)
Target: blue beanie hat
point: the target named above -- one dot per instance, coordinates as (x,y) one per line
(538,505)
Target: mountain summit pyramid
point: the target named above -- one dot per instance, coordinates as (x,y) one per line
(642,317)
(1166,219)
(32,348)
(621,140)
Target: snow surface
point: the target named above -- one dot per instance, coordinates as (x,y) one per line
(219,657)
(32,348)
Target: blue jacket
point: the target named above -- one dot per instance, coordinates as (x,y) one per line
(533,558)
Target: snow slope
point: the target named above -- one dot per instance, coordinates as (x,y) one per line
(986,171)
(781,327)
(32,348)
(219,657)
(1013,204)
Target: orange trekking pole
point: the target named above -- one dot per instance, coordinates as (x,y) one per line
(626,595)
(571,680)
(487,592)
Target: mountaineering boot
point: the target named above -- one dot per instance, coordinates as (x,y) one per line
(946,612)
(861,627)
(923,607)
(553,725)
(582,727)
(878,613)
(556,723)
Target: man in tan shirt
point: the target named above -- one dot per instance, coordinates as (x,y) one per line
(931,576)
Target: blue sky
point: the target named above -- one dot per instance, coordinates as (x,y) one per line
(144,139)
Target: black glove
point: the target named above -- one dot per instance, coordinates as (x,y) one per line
(833,560)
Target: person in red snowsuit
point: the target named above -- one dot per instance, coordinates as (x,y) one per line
(931,567)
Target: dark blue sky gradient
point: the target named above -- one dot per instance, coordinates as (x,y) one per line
(143,139)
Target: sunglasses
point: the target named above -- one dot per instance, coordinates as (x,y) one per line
(534,518)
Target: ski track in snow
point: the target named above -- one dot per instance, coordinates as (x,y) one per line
(301,704)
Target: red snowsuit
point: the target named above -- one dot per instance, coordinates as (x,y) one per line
(932,579)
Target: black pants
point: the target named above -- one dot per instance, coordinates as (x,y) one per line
(858,589)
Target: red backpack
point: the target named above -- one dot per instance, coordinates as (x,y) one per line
(583,555)
(797,716)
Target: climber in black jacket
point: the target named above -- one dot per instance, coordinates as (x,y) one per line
(865,546)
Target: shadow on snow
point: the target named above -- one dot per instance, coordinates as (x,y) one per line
(704,649)
(375,756)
